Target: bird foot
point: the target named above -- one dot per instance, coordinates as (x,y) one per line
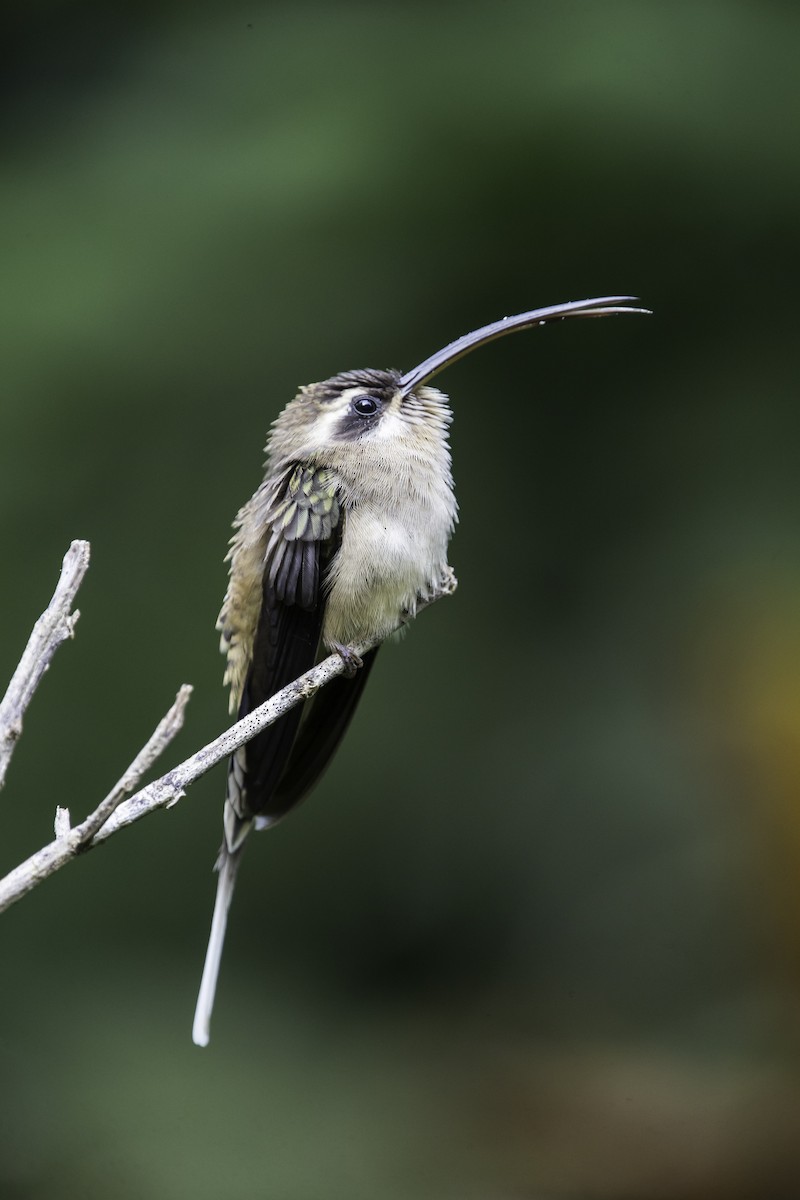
(447,584)
(352,661)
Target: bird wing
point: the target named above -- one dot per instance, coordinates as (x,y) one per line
(324,724)
(272,617)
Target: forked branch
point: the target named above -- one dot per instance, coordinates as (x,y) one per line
(120,808)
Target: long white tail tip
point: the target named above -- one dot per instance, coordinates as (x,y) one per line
(201,1029)
(200,1037)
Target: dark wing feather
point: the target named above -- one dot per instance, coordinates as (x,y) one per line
(305,530)
(324,725)
(285,646)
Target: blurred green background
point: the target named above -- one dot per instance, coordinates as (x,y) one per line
(536,934)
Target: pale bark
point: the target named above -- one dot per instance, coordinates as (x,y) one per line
(119,808)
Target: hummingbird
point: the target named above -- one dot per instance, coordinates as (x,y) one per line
(347,534)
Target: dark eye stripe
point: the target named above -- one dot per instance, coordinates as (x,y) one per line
(363,413)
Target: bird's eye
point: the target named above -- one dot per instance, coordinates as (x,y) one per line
(365,406)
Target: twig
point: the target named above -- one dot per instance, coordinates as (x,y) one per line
(166,791)
(158,741)
(70,842)
(54,626)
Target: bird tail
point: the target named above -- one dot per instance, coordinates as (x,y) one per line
(227,866)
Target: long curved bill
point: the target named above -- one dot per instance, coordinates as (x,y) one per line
(604,306)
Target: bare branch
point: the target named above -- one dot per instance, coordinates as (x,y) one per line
(61,825)
(70,842)
(54,626)
(158,741)
(166,791)
(169,789)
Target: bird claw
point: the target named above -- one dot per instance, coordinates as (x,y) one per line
(352,661)
(447,584)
